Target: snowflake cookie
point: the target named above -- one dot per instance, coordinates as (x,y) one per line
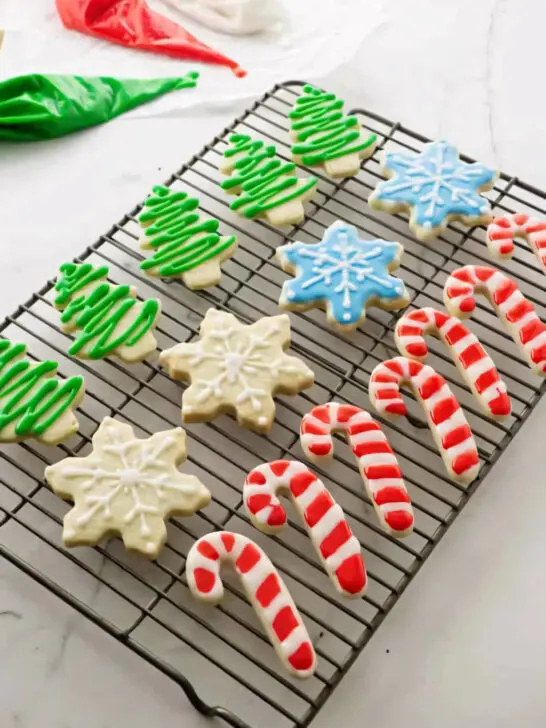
(342,274)
(237,368)
(126,486)
(435,187)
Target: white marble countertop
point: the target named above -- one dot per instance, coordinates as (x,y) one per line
(465,645)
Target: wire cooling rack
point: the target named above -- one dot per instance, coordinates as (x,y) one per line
(220,656)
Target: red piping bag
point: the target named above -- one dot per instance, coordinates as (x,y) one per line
(132,23)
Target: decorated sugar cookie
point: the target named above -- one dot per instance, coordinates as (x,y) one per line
(435,187)
(108,318)
(515,311)
(446,419)
(184,243)
(324,135)
(237,368)
(34,402)
(326,524)
(503,230)
(265,185)
(342,274)
(473,362)
(264,588)
(126,486)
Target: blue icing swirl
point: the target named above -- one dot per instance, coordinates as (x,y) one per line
(342,271)
(435,183)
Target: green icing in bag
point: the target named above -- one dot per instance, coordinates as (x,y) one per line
(184,243)
(33,402)
(111,320)
(262,180)
(38,107)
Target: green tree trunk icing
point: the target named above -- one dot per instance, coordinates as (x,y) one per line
(30,395)
(181,239)
(99,312)
(265,180)
(322,130)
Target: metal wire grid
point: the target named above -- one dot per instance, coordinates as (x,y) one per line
(222,651)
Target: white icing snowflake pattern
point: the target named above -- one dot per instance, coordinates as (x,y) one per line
(344,271)
(238,368)
(126,486)
(435,184)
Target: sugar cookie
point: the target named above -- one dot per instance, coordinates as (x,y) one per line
(435,187)
(331,535)
(264,588)
(324,135)
(445,417)
(266,186)
(343,275)
(186,245)
(108,318)
(237,368)
(473,362)
(502,231)
(377,463)
(127,487)
(33,401)
(516,313)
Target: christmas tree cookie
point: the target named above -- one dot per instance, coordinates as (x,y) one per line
(126,486)
(107,317)
(33,401)
(185,244)
(324,135)
(266,186)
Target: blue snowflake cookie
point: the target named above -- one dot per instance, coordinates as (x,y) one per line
(342,274)
(435,187)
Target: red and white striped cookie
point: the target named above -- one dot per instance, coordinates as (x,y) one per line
(337,548)
(445,417)
(516,313)
(377,463)
(502,231)
(264,588)
(473,362)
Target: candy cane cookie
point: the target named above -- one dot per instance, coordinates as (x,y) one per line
(377,462)
(502,231)
(472,361)
(338,549)
(516,313)
(446,420)
(264,588)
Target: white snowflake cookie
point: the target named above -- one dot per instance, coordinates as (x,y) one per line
(342,274)
(435,187)
(127,487)
(237,368)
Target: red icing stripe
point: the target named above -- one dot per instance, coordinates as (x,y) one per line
(376,472)
(500,235)
(335,539)
(370,448)
(302,658)
(256,502)
(444,409)
(364,426)
(539,354)
(482,273)
(500,405)
(520,218)
(208,551)
(464,274)
(396,408)
(285,623)
(351,575)
(387,394)
(472,354)
(322,412)
(520,310)
(204,579)
(456,333)
(256,478)
(309,427)
(320,449)
(317,508)
(248,558)
(417,348)
(465,461)
(431,385)
(394,366)
(537,228)
(277,516)
(384,378)
(506,248)
(300,482)
(399,520)
(408,330)
(418,316)
(346,411)
(531,330)
(485,380)
(279,467)
(456,436)
(504,291)
(268,590)
(391,494)
(502,222)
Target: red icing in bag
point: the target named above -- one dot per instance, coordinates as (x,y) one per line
(132,23)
